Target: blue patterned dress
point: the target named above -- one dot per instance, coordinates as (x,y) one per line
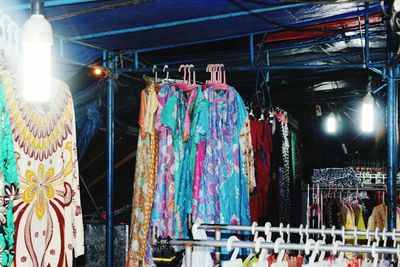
(224,193)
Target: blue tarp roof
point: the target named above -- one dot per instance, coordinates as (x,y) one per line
(150,22)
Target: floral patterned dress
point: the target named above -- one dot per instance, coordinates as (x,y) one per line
(47,210)
(8,184)
(180,114)
(162,216)
(224,193)
(144,183)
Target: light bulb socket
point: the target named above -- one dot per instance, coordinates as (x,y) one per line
(37,7)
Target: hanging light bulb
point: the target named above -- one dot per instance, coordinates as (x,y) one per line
(367,112)
(331,123)
(37,39)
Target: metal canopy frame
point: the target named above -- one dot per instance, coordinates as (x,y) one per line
(390,73)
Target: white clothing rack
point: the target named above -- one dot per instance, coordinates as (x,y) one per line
(366,178)
(285,230)
(10,36)
(309,246)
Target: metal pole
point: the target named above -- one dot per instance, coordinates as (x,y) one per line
(367,55)
(287,246)
(266,68)
(110,162)
(188,255)
(136,60)
(297,230)
(392,125)
(252,49)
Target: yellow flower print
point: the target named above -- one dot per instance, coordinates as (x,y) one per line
(39,188)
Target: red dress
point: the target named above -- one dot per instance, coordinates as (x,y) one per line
(262,145)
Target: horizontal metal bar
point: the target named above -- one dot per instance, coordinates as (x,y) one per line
(379,89)
(285,246)
(308,44)
(224,38)
(377,71)
(186,21)
(53,3)
(255,68)
(297,230)
(67,40)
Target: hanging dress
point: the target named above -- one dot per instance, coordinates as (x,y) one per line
(47,209)
(145,179)
(180,115)
(262,144)
(162,216)
(224,194)
(8,184)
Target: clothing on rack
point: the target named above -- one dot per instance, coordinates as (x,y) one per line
(47,209)
(145,179)
(162,216)
(180,115)
(223,173)
(335,177)
(262,145)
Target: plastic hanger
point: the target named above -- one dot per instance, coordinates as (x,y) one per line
(281,253)
(288,233)
(267,231)
(234,261)
(255,234)
(333,234)
(155,73)
(301,235)
(339,260)
(384,238)
(191,84)
(221,80)
(166,80)
(182,85)
(355,235)
(262,258)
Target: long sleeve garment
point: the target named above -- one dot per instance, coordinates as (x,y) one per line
(145,179)
(162,216)
(8,184)
(262,145)
(180,115)
(47,209)
(224,193)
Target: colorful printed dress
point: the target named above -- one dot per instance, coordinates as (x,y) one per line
(162,216)
(47,209)
(180,114)
(224,193)
(8,184)
(145,179)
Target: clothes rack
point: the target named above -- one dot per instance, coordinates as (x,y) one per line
(301,230)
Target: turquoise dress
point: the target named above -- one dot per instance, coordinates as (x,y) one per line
(223,194)
(8,184)
(180,114)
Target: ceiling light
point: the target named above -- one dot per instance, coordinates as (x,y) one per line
(331,123)
(37,39)
(367,114)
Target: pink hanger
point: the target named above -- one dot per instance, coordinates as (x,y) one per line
(209,83)
(221,83)
(190,85)
(182,85)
